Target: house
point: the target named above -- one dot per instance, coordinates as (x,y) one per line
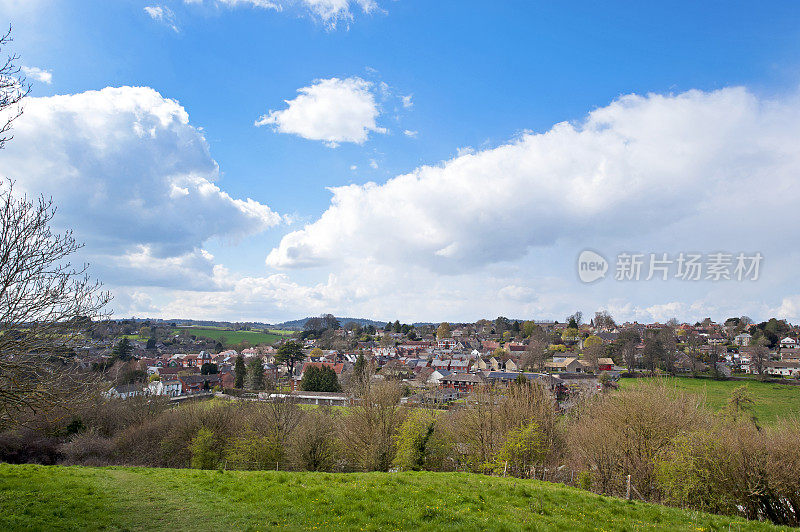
(459,365)
(199,383)
(464,382)
(716,339)
(564,365)
(789,343)
(125,391)
(605,364)
(437,376)
(337,368)
(742,340)
(171,387)
(783,369)
(512,365)
(446,344)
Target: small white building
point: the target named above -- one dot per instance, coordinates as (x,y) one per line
(789,343)
(742,340)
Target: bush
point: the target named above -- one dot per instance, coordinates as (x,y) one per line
(625,433)
(315,446)
(421,443)
(205,450)
(736,469)
(369,428)
(89,448)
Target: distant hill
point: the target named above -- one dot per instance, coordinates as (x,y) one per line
(299,324)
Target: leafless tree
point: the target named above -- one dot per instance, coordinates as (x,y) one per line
(604,320)
(13,89)
(535,353)
(46,305)
(369,429)
(693,343)
(666,338)
(759,356)
(593,354)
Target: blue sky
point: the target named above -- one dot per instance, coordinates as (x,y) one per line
(446,81)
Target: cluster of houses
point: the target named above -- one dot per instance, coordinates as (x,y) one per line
(456,365)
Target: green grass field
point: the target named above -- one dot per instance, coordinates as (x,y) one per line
(228,337)
(772,401)
(77,498)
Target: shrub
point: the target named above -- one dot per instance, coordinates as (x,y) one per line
(254,451)
(624,434)
(315,446)
(205,452)
(89,448)
(421,443)
(369,428)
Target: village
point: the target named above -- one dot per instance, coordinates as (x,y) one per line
(441,364)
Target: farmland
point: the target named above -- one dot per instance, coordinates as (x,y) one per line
(229,337)
(772,401)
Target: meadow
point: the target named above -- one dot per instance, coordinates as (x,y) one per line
(772,401)
(36,497)
(229,337)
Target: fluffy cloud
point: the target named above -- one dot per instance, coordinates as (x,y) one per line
(164,15)
(45,76)
(134,180)
(638,165)
(331,110)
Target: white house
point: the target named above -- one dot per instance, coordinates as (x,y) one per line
(125,391)
(742,340)
(784,369)
(789,343)
(437,376)
(170,388)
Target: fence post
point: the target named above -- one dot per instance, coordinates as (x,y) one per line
(628,490)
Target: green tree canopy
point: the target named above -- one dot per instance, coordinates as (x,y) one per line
(240,371)
(320,379)
(290,353)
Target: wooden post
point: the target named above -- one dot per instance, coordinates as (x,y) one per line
(628,490)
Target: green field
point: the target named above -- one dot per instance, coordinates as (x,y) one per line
(229,337)
(77,498)
(772,401)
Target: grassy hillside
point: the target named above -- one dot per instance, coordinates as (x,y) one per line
(77,498)
(229,337)
(771,400)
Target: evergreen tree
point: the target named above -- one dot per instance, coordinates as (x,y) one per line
(240,372)
(290,353)
(320,379)
(123,350)
(255,374)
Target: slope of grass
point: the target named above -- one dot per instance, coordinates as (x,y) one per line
(78,498)
(228,337)
(772,401)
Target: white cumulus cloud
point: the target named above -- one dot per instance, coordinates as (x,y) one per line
(132,177)
(640,164)
(45,76)
(331,110)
